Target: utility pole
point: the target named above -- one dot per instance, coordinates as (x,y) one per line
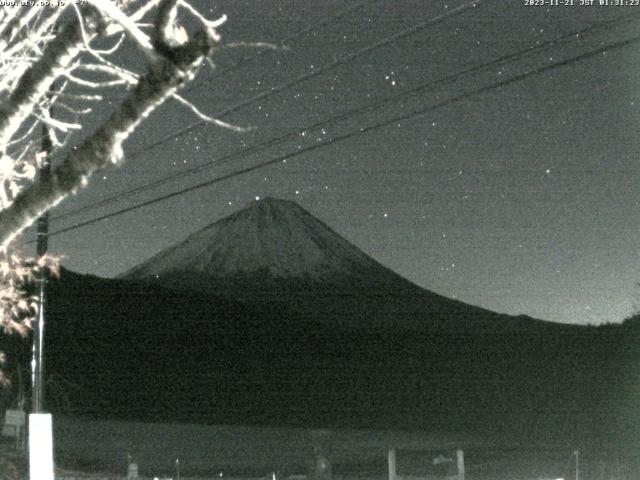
(577,454)
(37,363)
(40,424)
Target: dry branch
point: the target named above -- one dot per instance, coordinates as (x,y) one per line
(174,67)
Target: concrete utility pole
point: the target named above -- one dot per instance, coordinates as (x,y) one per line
(577,454)
(40,424)
(37,363)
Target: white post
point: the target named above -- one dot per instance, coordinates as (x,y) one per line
(392,463)
(40,446)
(460,455)
(132,470)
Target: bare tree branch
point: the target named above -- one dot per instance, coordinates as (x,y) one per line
(104,147)
(35,82)
(35,54)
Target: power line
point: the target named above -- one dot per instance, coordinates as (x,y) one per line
(242,61)
(323,123)
(306,76)
(301,33)
(361,131)
(347,58)
(267,93)
(451,78)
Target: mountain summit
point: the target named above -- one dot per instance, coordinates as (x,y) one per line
(275,254)
(270,240)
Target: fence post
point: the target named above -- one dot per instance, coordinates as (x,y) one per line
(460,455)
(132,471)
(392,463)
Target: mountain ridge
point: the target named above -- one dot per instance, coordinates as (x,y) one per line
(325,353)
(251,239)
(274,251)
(122,349)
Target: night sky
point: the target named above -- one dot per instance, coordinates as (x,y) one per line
(522,199)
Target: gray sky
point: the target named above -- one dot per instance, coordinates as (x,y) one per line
(520,199)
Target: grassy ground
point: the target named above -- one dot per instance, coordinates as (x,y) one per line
(255,453)
(13,463)
(232,450)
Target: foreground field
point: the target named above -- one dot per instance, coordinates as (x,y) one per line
(232,450)
(259,452)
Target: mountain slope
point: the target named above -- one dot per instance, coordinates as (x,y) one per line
(274,237)
(274,253)
(127,350)
(217,330)
(121,349)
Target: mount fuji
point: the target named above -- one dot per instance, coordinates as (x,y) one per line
(274,251)
(271,237)
(269,316)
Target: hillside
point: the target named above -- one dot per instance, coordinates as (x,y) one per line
(351,344)
(273,252)
(146,353)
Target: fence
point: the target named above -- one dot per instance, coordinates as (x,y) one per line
(511,463)
(442,466)
(423,465)
(254,453)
